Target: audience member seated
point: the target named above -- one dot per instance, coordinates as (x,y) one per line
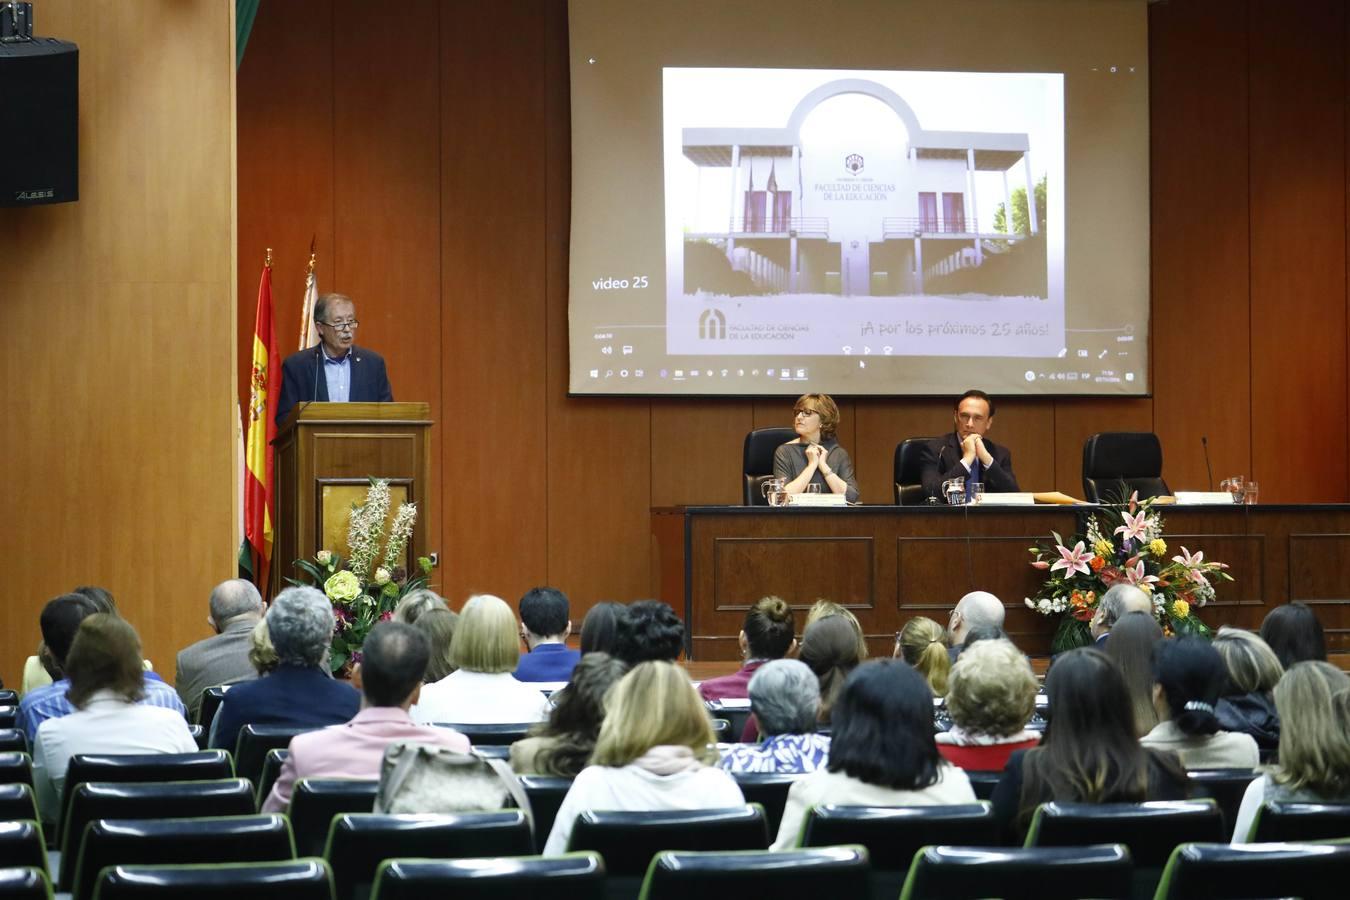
(60,620)
(978,609)
(42,669)
(106,686)
(1189,676)
(923,644)
(1118,600)
(563,745)
(438,627)
(785,700)
(300,692)
(481,690)
(991,697)
(235,607)
(882,752)
(769,633)
(261,654)
(389,676)
(544,627)
(415,603)
(830,649)
(600,628)
(1313,700)
(654,752)
(1090,753)
(1133,638)
(1294,633)
(648,630)
(823,608)
(1247,705)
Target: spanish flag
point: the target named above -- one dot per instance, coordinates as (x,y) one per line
(264,386)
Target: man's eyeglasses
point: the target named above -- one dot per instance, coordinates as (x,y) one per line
(342,326)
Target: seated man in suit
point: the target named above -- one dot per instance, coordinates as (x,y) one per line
(1118,600)
(236,606)
(394,659)
(976,611)
(337,370)
(544,626)
(967,453)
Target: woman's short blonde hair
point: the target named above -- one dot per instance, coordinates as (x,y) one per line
(992,689)
(261,654)
(1252,666)
(655,704)
(1313,700)
(487,637)
(825,406)
(923,644)
(414,603)
(823,609)
(105,655)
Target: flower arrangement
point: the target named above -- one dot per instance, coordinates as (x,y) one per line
(365,588)
(1122,543)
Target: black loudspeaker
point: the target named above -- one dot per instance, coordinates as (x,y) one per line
(40,121)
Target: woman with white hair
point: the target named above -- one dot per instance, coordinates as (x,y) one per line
(485,650)
(785,698)
(991,697)
(299,691)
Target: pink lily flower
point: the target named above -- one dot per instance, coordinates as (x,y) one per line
(1135,575)
(1192,562)
(1075,560)
(1134,527)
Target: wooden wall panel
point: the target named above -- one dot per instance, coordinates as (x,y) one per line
(1077,420)
(697,446)
(1200,259)
(1298,279)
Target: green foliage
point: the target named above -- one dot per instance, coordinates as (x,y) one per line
(1019,211)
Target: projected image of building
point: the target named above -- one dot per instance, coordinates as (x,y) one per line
(865,202)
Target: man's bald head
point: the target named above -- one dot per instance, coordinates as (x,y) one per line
(1119,600)
(233,599)
(978,609)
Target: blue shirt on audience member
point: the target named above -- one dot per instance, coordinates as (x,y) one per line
(49,702)
(548,662)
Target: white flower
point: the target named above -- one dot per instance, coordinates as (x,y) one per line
(1031,604)
(324,557)
(381,576)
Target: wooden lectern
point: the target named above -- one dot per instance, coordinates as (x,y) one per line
(326,454)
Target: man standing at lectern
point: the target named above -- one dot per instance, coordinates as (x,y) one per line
(337,370)
(966,452)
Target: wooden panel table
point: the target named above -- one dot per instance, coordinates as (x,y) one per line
(889,563)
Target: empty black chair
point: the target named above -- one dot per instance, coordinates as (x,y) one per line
(1122,462)
(820,872)
(575,876)
(250,751)
(722,731)
(116,842)
(149,800)
(13,740)
(629,840)
(270,771)
(546,793)
(22,844)
(357,844)
(1019,873)
(983,783)
(26,883)
(9,697)
(314,803)
(304,879)
(735,717)
(1225,786)
(908,472)
(8,713)
(17,802)
(494,735)
(757,461)
(204,765)
(1288,822)
(769,790)
(1311,871)
(206,713)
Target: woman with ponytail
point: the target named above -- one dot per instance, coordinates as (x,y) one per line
(923,644)
(768,633)
(1313,700)
(1189,676)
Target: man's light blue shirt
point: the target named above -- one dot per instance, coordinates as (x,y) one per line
(338,374)
(50,702)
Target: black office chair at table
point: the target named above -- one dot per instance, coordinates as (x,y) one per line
(757,461)
(1121,463)
(908,474)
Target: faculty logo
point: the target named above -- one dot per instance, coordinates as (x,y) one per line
(712,325)
(854,163)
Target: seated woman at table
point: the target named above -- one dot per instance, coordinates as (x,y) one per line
(814,456)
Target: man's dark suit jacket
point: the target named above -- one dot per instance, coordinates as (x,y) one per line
(288,695)
(302,372)
(942,461)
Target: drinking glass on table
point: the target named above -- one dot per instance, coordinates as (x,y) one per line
(778,498)
(1250,492)
(812,488)
(977,493)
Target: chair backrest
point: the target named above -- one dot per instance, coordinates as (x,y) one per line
(314,803)
(769,790)
(892,835)
(204,765)
(148,800)
(576,876)
(735,716)
(21,844)
(813,873)
(9,697)
(115,842)
(983,783)
(546,793)
(757,461)
(1132,457)
(304,879)
(8,713)
(1312,871)
(908,474)
(1151,830)
(1301,822)
(494,734)
(13,740)
(210,705)
(1225,786)
(250,750)
(28,883)
(271,770)
(17,802)
(358,843)
(1019,873)
(629,840)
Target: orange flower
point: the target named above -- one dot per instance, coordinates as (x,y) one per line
(1097,563)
